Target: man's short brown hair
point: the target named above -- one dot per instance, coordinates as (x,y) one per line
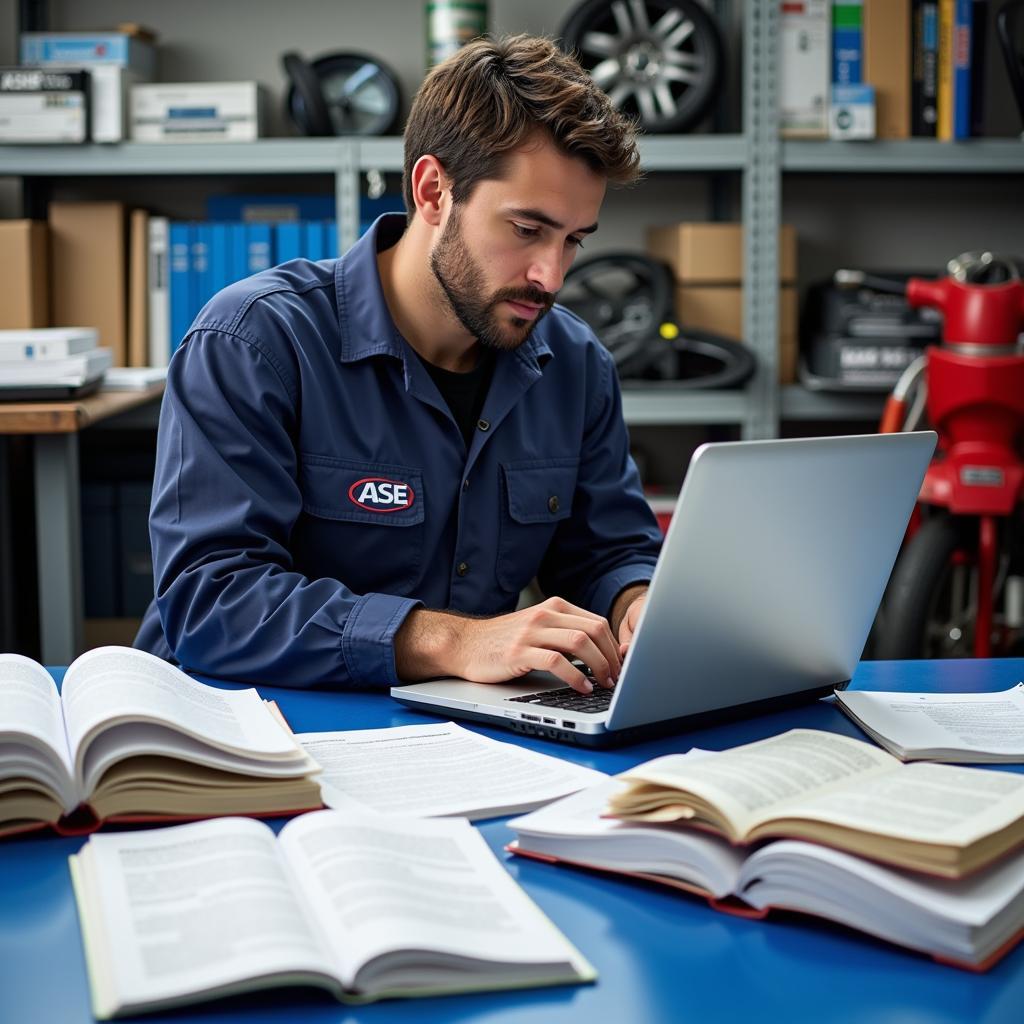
(494,94)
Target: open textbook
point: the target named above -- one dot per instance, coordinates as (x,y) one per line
(977,728)
(842,792)
(971,922)
(437,770)
(363,906)
(131,737)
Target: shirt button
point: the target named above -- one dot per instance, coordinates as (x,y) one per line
(462,568)
(553,503)
(483,425)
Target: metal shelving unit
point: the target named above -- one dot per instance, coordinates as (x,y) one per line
(921,156)
(757,155)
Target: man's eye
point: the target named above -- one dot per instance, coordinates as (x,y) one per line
(576,243)
(524,232)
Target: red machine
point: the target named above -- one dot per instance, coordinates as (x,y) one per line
(958,585)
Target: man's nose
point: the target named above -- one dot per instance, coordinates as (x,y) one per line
(547,271)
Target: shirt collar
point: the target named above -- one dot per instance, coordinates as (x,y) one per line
(364,321)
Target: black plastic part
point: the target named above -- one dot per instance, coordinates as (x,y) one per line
(305,102)
(916,580)
(1010,29)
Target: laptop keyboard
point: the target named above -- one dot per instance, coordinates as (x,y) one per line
(568,699)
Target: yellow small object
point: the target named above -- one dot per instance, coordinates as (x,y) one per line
(669,331)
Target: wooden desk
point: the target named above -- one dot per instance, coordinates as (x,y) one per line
(54,428)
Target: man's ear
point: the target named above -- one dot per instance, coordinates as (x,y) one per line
(429,185)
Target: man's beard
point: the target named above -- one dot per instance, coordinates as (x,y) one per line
(462,281)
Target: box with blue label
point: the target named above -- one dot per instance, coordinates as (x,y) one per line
(134,50)
(852,112)
(197,112)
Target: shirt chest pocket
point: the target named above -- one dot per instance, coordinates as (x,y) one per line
(363,523)
(536,497)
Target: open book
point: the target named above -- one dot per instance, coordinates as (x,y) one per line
(364,906)
(973,727)
(842,792)
(130,737)
(971,922)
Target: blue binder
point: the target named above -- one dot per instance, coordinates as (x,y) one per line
(287,241)
(180,281)
(260,251)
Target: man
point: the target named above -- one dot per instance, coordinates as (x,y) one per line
(362,462)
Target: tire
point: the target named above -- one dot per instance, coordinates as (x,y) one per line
(660,61)
(916,598)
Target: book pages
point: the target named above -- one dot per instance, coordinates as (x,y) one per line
(30,709)
(378,886)
(109,684)
(758,781)
(191,909)
(575,829)
(928,803)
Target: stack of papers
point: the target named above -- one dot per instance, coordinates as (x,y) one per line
(51,358)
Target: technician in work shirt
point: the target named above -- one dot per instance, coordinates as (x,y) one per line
(314,485)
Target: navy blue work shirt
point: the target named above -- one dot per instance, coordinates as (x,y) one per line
(312,487)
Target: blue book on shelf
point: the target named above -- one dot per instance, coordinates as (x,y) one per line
(287,241)
(270,208)
(331,239)
(260,250)
(180,280)
(202,238)
(962,15)
(238,252)
(847,41)
(219,276)
(314,241)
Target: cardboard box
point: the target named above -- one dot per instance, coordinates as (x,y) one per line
(719,308)
(712,253)
(24,275)
(89,261)
(887,65)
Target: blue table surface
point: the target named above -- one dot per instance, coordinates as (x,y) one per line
(660,955)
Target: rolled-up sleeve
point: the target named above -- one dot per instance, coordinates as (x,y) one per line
(612,539)
(226,497)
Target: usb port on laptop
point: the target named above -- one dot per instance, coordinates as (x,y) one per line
(568,725)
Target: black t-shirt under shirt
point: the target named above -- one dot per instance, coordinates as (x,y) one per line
(464,392)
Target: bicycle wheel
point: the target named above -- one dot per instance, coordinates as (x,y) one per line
(931,601)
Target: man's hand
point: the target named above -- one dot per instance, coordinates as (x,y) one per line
(626,614)
(505,647)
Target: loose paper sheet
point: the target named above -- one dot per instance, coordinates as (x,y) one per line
(432,771)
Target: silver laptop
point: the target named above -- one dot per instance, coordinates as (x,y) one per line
(772,569)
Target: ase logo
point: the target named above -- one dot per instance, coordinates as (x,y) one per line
(379,494)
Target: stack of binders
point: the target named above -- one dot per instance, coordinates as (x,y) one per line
(51,363)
